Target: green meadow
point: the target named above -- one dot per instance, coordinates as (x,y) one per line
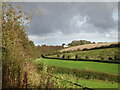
(82,65)
(89,83)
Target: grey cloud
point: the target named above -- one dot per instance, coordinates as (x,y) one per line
(57,17)
(100,14)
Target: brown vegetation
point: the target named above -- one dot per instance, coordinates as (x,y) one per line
(90,46)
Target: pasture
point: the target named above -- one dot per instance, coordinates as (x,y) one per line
(97,54)
(89,83)
(82,65)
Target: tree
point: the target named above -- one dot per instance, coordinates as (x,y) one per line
(63,44)
(16,48)
(76,57)
(110,58)
(117,56)
(68,56)
(63,56)
(80,42)
(58,55)
(43,45)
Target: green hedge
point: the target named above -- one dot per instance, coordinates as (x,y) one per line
(84,74)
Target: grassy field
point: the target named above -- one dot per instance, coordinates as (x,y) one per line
(82,65)
(89,83)
(92,54)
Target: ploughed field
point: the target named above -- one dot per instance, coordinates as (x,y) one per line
(106,72)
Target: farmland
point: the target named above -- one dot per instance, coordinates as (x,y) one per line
(96,54)
(84,66)
(92,66)
(86,73)
(36,53)
(91,46)
(89,83)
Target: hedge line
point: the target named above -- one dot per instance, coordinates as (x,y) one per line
(105,61)
(82,73)
(85,74)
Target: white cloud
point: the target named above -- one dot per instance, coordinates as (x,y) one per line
(58,38)
(112,35)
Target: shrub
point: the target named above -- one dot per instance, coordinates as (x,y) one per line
(58,55)
(110,58)
(117,57)
(68,57)
(42,55)
(76,57)
(63,56)
(78,49)
(86,74)
(102,58)
(87,57)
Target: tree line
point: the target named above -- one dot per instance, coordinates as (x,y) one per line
(17,49)
(79,42)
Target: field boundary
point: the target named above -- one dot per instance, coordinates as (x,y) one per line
(72,83)
(115,62)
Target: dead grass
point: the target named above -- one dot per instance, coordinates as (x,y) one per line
(89,46)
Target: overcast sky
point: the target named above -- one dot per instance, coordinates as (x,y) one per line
(56,23)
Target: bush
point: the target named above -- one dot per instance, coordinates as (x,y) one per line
(68,57)
(87,57)
(102,58)
(117,57)
(16,48)
(76,57)
(42,55)
(63,56)
(85,74)
(58,55)
(110,58)
(78,49)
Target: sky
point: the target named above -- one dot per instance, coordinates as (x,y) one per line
(55,23)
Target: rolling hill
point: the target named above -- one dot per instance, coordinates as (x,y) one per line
(91,46)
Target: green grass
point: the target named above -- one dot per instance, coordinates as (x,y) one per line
(82,65)
(89,83)
(93,54)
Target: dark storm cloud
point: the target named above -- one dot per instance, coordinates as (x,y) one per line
(57,16)
(100,14)
(67,19)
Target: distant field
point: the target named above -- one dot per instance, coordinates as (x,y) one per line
(90,66)
(89,46)
(96,54)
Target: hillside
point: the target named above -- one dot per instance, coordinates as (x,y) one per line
(97,54)
(90,46)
